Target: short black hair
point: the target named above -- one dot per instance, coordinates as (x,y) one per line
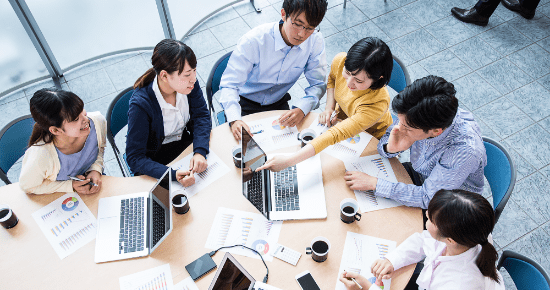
(315,9)
(373,56)
(428,103)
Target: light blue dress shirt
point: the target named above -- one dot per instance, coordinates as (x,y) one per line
(453,160)
(262,68)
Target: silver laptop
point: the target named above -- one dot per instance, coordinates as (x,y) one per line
(296,192)
(133,225)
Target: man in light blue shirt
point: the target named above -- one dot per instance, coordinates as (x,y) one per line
(447,150)
(269,59)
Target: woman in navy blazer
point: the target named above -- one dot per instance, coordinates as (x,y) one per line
(167,113)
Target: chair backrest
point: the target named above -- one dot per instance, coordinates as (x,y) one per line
(14,139)
(501,174)
(526,273)
(399,75)
(117,115)
(213,83)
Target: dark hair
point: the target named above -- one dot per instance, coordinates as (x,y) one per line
(50,107)
(428,103)
(314,9)
(373,56)
(468,219)
(169,55)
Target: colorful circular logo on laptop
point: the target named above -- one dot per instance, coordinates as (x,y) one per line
(354,140)
(69,204)
(276,125)
(261,246)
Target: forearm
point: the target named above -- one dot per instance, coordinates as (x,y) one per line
(305,153)
(331,102)
(47,187)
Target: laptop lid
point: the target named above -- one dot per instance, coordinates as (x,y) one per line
(159,200)
(252,157)
(231,275)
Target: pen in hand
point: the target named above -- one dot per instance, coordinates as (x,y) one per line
(78,179)
(354,281)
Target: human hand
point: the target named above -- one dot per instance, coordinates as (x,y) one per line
(350,285)
(95,177)
(247,174)
(325,117)
(360,181)
(382,269)
(236,129)
(399,140)
(277,163)
(82,187)
(198,163)
(185,178)
(291,118)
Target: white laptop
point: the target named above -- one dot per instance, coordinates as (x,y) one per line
(232,275)
(294,193)
(133,225)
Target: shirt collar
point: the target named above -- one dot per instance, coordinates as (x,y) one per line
(163,104)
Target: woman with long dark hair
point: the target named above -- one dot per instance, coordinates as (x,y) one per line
(455,246)
(167,113)
(65,141)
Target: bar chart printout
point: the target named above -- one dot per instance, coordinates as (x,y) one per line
(158,278)
(216,169)
(235,227)
(67,223)
(360,251)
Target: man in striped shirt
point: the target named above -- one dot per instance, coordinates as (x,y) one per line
(447,150)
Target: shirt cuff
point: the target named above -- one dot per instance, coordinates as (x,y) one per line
(384,188)
(233,113)
(201,151)
(393,257)
(305,106)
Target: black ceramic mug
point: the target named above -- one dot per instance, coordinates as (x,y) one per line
(8,219)
(180,203)
(319,249)
(349,211)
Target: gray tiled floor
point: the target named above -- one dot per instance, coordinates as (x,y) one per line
(501,72)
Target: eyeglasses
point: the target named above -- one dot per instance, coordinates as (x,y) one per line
(301,27)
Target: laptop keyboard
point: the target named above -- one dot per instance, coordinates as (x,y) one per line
(255,188)
(286,190)
(159,223)
(131,237)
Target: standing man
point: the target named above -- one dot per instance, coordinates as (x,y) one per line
(482,11)
(269,59)
(447,150)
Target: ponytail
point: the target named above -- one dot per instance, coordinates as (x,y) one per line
(468,219)
(38,134)
(486,261)
(145,79)
(169,55)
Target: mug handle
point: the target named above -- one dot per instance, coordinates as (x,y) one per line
(308,251)
(357,216)
(298,136)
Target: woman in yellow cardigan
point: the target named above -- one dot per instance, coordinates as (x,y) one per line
(65,141)
(357,83)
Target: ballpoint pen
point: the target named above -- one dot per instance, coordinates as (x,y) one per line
(257,132)
(78,179)
(354,281)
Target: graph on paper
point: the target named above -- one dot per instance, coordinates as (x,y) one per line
(377,166)
(272,135)
(284,137)
(350,148)
(67,224)
(359,252)
(215,170)
(158,278)
(234,227)
(186,284)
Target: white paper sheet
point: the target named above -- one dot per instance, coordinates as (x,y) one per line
(158,278)
(67,223)
(360,251)
(271,136)
(317,127)
(350,148)
(235,227)
(187,284)
(380,167)
(215,170)
(261,286)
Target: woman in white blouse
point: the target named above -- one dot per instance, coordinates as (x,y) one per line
(455,247)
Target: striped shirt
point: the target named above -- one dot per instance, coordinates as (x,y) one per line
(453,160)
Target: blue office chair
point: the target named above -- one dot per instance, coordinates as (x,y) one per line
(213,85)
(399,75)
(501,174)
(526,273)
(14,139)
(117,118)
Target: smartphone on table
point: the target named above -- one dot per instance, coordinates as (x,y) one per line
(306,281)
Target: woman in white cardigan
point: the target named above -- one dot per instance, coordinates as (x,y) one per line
(455,247)
(65,142)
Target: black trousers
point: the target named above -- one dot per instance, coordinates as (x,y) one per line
(487,7)
(250,107)
(169,151)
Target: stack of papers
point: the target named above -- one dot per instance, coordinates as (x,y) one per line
(158,278)
(271,135)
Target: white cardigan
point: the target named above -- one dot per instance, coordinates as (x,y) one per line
(441,272)
(41,163)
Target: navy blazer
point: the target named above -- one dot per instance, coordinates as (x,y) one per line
(146,129)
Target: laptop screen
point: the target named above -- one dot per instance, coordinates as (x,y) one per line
(252,155)
(160,214)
